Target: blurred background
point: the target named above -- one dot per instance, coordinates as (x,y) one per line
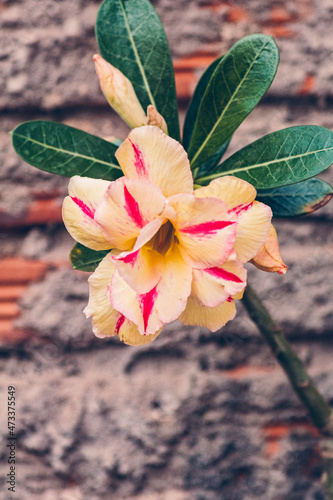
(194,415)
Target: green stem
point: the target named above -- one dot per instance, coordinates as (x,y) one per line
(319,410)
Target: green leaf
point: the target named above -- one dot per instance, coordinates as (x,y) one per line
(297,199)
(131,37)
(237,85)
(285,157)
(192,112)
(64,150)
(85,259)
(210,165)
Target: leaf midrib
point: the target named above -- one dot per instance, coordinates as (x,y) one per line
(228,105)
(47,146)
(265,164)
(141,68)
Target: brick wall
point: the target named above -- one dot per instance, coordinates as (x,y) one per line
(194,415)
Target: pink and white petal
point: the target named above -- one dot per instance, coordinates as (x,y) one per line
(127,207)
(106,321)
(163,303)
(232,275)
(148,153)
(214,285)
(205,230)
(141,269)
(252,230)
(233,191)
(212,318)
(207,290)
(79,209)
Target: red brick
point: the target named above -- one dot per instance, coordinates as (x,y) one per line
(308,85)
(40,212)
(8,332)
(198,61)
(247,371)
(275,433)
(237,15)
(9,310)
(11,292)
(280,15)
(279,31)
(17,270)
(185,84)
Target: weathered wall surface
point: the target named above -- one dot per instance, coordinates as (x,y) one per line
(195,415)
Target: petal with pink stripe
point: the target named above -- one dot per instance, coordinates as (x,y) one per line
(233,191)
(214,285)
(106,321)
(252,230)
(141,269)
(127,207)
(148,153)
(205,230)
(163,303)
(79,210)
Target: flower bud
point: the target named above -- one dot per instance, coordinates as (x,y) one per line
(119,93)
(268,257)
(154,118)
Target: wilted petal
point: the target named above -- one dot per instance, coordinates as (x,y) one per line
(79,210)
(119,92)
(233,191)
(148,153)
(205,230)
(252,229)
(163,303)
(268,257)
(212,318)
(127,207)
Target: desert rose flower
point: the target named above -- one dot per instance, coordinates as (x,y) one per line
(175,253)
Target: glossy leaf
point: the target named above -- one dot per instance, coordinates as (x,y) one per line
(131,37)
(209,166)
(192,112)
(285,157)
(237,85)
(64,150)
(297,199)
(85,259)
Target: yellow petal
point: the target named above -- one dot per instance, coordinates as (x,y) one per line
(252,229)
(164,303)
(155,119)
(268,257)
(233,191)
(212,318)
(119,93)
(141,269)
(129,334)
(79,210)
(127,207)
(205,230)
(148,153)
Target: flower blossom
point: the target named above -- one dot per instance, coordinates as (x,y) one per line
(175,253)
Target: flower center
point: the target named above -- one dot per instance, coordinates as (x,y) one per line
(164,238)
